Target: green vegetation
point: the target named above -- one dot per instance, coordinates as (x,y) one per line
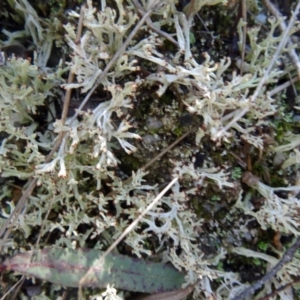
(87,177)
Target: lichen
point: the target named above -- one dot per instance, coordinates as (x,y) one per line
(92,188)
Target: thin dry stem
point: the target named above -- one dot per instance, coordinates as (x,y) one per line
(71,74)
(283,86)
(14,288)
(294,58)
(148,164)
(158,156)
(150,24)
(114,59)
(19,207)
(129,229)
(286,258)
(244,16)
(267,72)
(282,288)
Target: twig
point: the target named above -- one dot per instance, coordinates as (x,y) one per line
(114,59)
(14,288)
(150,163)
(292,52)
(286,258)
(128,230)
(282,288)
(150,24)
(167,149)
(16,212)
(283,86)
(267,72)
(244,16)
(71,74)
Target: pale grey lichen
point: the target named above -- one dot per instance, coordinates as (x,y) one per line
(281,214)
(82,181)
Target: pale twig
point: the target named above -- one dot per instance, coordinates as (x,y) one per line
(66,102)
(283,86)
(139,218)
(16,212)
(113,60)
(205,27)
(150,24)
(14,288)
(128,229)
(265,77)
(150,163)
(167,149)
(280,289)
(286,258)
(244,16)
(294,58)
(71,74)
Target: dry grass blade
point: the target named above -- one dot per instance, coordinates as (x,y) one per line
(127,231)
(114,59)
(15,289)
(283,86)
(294,58)
(244,16)
(150,24)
